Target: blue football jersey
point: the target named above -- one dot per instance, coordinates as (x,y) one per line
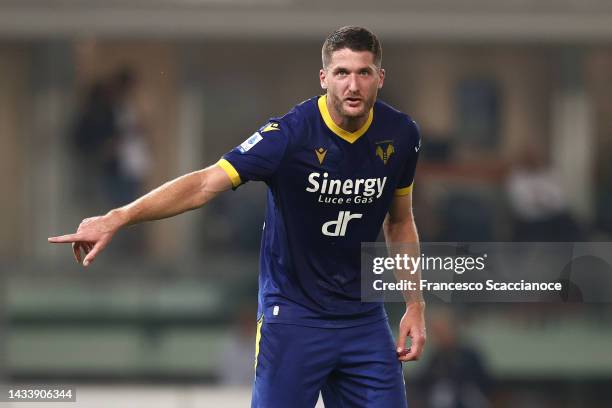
(328,191)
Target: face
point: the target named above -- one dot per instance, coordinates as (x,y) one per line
(352,81)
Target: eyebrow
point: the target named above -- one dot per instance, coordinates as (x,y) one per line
(342,68)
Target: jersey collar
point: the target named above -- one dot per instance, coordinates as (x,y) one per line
(350,137)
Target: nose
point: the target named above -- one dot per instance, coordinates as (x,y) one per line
(353,86)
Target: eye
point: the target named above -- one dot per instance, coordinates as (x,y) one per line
(341,72)
(365,72)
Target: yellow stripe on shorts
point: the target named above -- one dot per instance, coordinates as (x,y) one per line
(257,340)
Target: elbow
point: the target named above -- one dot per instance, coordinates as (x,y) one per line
(200,183)
(386,226)
(391,223)
(391,227)
(403,230)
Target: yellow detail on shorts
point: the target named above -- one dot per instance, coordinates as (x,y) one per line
(257,339)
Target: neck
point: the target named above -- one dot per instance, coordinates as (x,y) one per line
(348,123)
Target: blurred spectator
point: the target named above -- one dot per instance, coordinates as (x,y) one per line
(93,138)
(114,157)
(95,124)
(132,150)
(538,202)
(110,140)
(455,376)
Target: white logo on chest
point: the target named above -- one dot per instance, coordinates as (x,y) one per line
(369,187)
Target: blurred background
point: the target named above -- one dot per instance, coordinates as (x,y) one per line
(101,101)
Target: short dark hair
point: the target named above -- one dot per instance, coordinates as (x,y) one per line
(354,38)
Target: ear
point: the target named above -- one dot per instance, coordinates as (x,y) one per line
(323,78)
(381,75)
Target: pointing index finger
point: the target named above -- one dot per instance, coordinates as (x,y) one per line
(65,238)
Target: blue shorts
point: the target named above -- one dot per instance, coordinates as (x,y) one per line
(352,367)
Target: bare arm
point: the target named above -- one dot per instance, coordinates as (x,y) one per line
(399,228)
(174,197)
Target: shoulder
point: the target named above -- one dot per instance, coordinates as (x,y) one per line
(298,116)
(397,119)
(283,131)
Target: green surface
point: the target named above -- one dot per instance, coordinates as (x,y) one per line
(180,327)
(119,351)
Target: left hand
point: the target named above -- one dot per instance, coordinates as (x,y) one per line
(412,325)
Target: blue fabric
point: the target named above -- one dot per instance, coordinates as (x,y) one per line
(352,367)
(326,196)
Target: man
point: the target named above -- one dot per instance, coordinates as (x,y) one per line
(337,166)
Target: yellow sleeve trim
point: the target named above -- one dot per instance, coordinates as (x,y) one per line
(231,172)
(404,191)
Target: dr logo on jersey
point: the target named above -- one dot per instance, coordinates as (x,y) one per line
(339,225)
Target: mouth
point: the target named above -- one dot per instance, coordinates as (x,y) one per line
(353,101)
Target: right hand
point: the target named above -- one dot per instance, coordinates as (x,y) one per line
(92,236)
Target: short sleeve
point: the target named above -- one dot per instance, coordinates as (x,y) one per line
(406,179)
(258,157)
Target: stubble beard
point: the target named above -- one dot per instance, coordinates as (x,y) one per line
(352,115)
